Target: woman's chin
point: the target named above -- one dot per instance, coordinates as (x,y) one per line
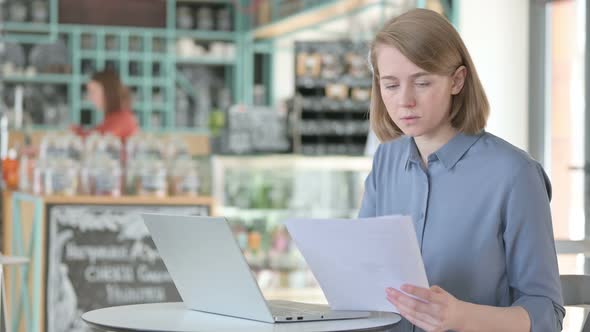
(412,132)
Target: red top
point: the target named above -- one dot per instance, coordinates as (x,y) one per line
(121,124)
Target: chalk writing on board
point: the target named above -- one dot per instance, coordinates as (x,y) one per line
(101,256)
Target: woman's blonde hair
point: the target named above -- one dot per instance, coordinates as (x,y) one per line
(429,40)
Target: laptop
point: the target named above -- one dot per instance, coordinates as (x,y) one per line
(212,275)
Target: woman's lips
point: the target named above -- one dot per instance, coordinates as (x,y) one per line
(410,119)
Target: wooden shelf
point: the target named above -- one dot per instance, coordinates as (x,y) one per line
(121,200)
(128,200)
(310,18)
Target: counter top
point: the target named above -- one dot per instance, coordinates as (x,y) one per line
(121,200)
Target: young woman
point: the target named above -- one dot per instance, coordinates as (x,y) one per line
(480,205)
(110,96)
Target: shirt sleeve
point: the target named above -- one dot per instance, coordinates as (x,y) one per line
(369,203)
(530,249)
(78,130)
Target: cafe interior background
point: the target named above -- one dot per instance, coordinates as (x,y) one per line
(255,110)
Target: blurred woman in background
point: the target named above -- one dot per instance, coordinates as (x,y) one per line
(110,96)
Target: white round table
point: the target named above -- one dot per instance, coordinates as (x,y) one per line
(175,317)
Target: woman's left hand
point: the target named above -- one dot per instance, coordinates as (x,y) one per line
(434,310)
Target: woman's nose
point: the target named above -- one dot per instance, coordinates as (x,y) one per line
(407,97)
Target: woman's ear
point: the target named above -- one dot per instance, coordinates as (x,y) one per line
(458,80)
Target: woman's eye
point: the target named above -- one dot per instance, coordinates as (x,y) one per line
(391,86)
(422,84)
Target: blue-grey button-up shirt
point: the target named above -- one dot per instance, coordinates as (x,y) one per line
(482,219)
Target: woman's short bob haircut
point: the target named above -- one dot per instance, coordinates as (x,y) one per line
(429,40)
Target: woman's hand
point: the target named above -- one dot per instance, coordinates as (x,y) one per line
(434,310)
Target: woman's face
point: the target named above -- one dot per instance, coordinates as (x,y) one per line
(417,101)
(95,94)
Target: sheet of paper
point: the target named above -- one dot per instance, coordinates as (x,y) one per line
(355,260)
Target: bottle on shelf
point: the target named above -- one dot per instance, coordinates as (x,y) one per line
(10,169)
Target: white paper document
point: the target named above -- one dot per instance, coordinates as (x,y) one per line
(355,260)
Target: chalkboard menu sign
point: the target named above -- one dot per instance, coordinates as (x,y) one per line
(102,256)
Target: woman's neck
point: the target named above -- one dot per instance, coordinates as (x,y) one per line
(427,144)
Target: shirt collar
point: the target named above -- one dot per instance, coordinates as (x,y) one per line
(412,154)
(449,154)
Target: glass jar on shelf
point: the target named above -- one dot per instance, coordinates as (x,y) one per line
(103,177)
(131,147)
(48,148)
(204,16)
(72,146)
(151,179)
(130,179)
(60,178)
(144,147)
(112,147)
(177,149)
(184,178)
(91,143)
(103,145)
(38,179)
